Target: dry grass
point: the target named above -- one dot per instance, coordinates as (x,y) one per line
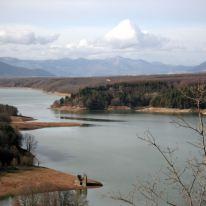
(71,84)
(24,123)
(161,110)
(21,118)
(46,180)
(39,125)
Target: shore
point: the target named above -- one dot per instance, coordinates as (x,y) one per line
(39,179)
(154,110)
(119,108)
(27,123)
(72,109)
(78,109)
(160,110)
(56,93)
(61,94)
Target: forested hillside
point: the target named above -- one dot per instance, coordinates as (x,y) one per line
(134,95)
(11,152)
(72,85)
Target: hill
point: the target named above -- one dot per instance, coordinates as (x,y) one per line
(102,67)
(7,70)
(71,85)
(135,96)
(200,68)
(11,140)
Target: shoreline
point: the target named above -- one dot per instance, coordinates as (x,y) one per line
(56,93)
(170,111)
(162,110)
(60,94)
(146,110)
(28,123)
(72,109)
(17,182)
(77,109)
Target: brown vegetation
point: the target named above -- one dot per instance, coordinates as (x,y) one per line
(73,109)
(118,108)
(24,123)
(39,125)
(69,85)
(21,118)
(46,180)
(164,110)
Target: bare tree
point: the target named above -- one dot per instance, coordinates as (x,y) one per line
(187,183)
(31,197)
(29,142)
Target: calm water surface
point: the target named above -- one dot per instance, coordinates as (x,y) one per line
(109,151)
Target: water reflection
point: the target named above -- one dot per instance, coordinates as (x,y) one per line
(91,119)
(58,198)
(108,151)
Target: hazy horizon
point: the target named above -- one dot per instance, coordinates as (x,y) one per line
(100,58)
(170,32)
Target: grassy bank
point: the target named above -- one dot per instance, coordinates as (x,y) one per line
(16,182)
(25,123)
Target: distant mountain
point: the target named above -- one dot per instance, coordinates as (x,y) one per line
(7,70)
(200,68)
(102,67)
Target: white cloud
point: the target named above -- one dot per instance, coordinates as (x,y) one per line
(82,44)
(123,37)
(170,45)
(24,36)
(126,34)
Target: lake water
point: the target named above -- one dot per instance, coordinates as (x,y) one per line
(108,151)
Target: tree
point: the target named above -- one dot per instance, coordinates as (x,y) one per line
(10,110)
(189,182)
(29,142)
(31,197)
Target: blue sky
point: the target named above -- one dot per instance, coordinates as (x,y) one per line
(170,31)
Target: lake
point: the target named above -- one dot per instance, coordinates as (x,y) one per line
(108,150)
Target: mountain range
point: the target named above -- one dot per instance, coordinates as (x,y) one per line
(96,67)
(7,70)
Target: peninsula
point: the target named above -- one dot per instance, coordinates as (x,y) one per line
(170,97)
(28,123)
(19,167)
(41,179)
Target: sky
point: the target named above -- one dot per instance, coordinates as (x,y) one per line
(168,31)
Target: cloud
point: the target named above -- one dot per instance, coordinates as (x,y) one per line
(82,44)
(24,37)
(123,37)
(126,34)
